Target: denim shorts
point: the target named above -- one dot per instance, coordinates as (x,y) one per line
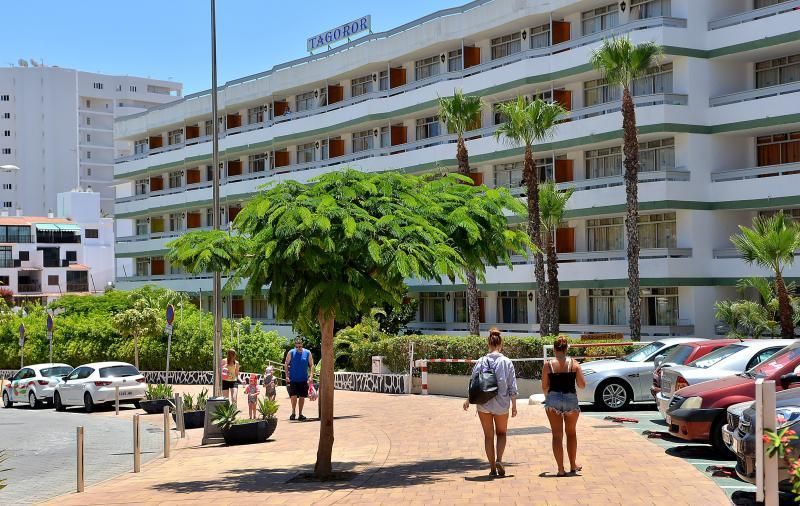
(561,402)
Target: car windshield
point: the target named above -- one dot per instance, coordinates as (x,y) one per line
(643,353)
(715,356)
(118,371)
(776,362)
(679,354)
(56,371)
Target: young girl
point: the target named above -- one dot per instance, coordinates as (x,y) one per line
(269,383)
(230,377)
(252,396)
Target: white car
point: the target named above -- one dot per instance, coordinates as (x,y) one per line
(34,384)
(92,384)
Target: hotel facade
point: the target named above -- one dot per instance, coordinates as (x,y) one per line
(719,137)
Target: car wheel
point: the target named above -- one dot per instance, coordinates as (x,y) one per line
(88,403)
(6,401)
(32,401)
(613,395)
(57,402)
(716,438)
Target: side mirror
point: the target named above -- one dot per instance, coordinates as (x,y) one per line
(659,360)
(788,379)
(64,378)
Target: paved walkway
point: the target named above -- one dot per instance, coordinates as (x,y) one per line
(412,450)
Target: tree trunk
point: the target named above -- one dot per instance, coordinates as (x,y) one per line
(473,308)
(552,281)
(534,231)
(323,468)
(136,350)
(785,307)
(630,149)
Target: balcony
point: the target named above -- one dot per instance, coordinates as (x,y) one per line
(77,286)
(676,174)
(29,287)
(744,96)
(575,329)
(639,101)
(786,169)
(752,15)
(612,255)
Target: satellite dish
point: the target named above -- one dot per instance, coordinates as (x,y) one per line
(22,62)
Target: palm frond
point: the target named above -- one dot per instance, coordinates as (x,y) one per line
(620,61)
(460,112)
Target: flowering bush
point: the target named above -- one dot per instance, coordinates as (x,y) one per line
(777,443)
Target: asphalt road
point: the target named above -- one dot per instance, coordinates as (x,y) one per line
(41,450)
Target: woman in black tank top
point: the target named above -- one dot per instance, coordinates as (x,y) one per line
(559,379)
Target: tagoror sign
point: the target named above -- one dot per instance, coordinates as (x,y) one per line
(341,32)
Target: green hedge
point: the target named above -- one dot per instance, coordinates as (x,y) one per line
(395,349)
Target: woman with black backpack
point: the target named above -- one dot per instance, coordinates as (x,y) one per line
(493,387)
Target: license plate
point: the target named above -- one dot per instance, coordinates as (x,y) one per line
(125,393)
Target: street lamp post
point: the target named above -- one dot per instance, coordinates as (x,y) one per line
(215,213)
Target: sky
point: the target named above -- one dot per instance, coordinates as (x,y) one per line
(169,39)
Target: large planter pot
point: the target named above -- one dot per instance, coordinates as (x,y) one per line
(192,419)
(155,406)
(269,426)
(245,433)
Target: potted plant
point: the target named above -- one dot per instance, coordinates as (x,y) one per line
(194,410)
(267,409)
(158,396)
(239,431)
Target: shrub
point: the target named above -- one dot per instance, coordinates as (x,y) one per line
(158,392)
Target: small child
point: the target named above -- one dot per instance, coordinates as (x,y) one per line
(269,383)
(252,396)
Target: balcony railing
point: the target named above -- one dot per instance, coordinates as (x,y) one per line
(609,256)
(564,328)
(651,176)
(639,101)
(29,287)
(163,235)
(786,169)
(641,24)
(77,286)
(734,253)
(752,15)
(744,96)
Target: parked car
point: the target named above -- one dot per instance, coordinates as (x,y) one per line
(613,384)
(698,412)
(727,361)
(34,384)
(683,354)
(740,434)
(92,384)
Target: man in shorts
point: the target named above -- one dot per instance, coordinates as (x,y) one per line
(300,372)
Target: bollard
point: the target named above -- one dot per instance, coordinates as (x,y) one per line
(79,485)
(116,399)
(137,447)
(166,432)
(179,420)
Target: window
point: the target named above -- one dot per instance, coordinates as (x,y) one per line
(642,9)
(362,141)
(142,186)
(52,280)
(360,86)
(761,356)
(657,155)
(133,88)
(4,280)
(383,80)
(24,256)
(88,137)
(142,227)
(605,162)
(607,306)
(98,86)
(511,175)
(386,137)
(304,101)
(778,71)
(8,186)
(778,148)
(506,45)
(175,136)
(7,204)
(209,126)
(540,36)
(598,91)
(88,155)
(88,120)
(427,67)
(660,306)
(255,115)
(143,266)
(175,179)
(454,61)
(657,230)
(323,149)
(118,371)
(7,133)
(605,234)
(512,307)
(305,152)
(6,115)
(175,222)
(658,79)
(6,151)
(600,19)
(5,98)
(92,233)
(431,307)
(257,163)
(499,117)
(140,146)
(259,308)
(759,4)
(428,127)
(461,311)
(88,171)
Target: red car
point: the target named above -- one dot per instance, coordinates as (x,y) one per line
(683,354)
(698,412)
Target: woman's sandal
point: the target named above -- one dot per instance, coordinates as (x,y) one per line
(561,474)
(574,472)
(501,471)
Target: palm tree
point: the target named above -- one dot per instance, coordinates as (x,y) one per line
(529,122)
(771,243)
(620,61)
(460,113)
(552,205)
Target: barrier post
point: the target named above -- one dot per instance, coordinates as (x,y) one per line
(137,448)
(116,399)
(79,452)
(424,369)
(179,421)
(166,432)
(766,467)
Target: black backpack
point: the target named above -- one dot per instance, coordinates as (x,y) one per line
(483,385)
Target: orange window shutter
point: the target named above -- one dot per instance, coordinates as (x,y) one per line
(192,176)
(477,178)
(281,107)
(336,147)
(157,267)
(156,183)
(472,56)
(563,97)
(398,133)
(156,141)
(565,240)
(335,94)
(192,132)
(560,31)
(563,171)
(281,158)
(397,77)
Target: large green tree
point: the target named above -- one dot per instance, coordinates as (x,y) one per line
(529,122)
(621,62)
(462,113)
(138,322)
(345,243)
(771,243)
(553,205)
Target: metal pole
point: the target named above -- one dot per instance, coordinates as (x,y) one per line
(79,485)
(180,422)
(137,446)
(169,349)
(116,399)
(166,432)
(215,204)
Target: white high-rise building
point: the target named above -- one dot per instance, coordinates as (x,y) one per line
(719,125)
(56,125)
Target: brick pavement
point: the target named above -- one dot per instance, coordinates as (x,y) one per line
(412,450)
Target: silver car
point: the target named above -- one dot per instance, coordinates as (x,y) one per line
(613,384)
(726,361)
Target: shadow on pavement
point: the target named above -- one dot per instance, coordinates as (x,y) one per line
(645,406)
(697,452)
(527,431)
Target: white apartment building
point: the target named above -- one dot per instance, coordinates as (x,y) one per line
(43,258)
(719,131)
(57,126)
